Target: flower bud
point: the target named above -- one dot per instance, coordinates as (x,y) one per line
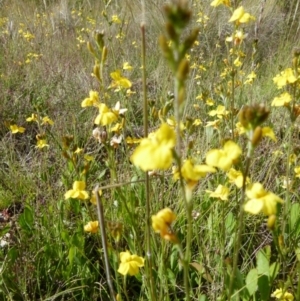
(257,135)
(183,70)
(271,222)
(104,54)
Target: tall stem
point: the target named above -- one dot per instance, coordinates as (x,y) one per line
(240,227)
(147,182)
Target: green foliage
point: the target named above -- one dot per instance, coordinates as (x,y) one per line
(203,76)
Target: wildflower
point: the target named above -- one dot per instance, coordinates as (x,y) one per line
(47,120)
(99,135)
(93,100)
(193,173)
(92,227)
(93,199)
(33,117)
(115,19)
(283,296)
(116,140)
(250,78)
(221,193)
(224,158)
(155,152)
(297,171)
(78,191)
(237,38)
(161,223)
(117,109)
(220,112)
(268,132)
(216,3)
(240,16)
(261,200)
(282,100)
(41,143)
(119,81)
(106,115)
(236,177)
(285,77)
(214,123)
(16,129)
(126,66)
(130,264)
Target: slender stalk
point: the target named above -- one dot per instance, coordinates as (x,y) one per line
(104,244)
(125,288)
(240,227)
(147,182)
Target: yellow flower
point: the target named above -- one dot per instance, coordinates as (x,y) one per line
(93,199)
(250,78)
(261,200)
(126,66)
(282,100)
(119,81)
(16,129)
(130,264)
(220,112)
(92,227)
(155,152)
(221,193)
(214,123)
(224,158)
(93,100)
(47,120)
(115,19)
(106,116)
(216,3)
(237,38)
(41,143)
(240,16)
(297,171)
(268,132)
(193,173)
(236,177)
(78,191)
(161,223)
(286,296)
(33,117)
(285,77)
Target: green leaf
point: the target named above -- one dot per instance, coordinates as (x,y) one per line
(274,270)
(26,219)
(264,287)
(262,263)
(294,216)
(251,281)
(72,254)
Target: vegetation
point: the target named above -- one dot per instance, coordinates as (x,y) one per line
(148,152)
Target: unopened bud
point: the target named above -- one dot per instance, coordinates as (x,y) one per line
(257,135)
(104,54)
(90,48)
(99,37)
(271,222)
(96,71)
(183,70)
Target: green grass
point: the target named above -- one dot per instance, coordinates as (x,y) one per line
(45,253)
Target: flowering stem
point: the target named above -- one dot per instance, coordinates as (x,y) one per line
(240,227)
(125,287)
(147,182)
(104,244)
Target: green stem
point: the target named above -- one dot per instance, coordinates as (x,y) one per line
(240,227)
(104,244)
(125,288)
(147,182)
